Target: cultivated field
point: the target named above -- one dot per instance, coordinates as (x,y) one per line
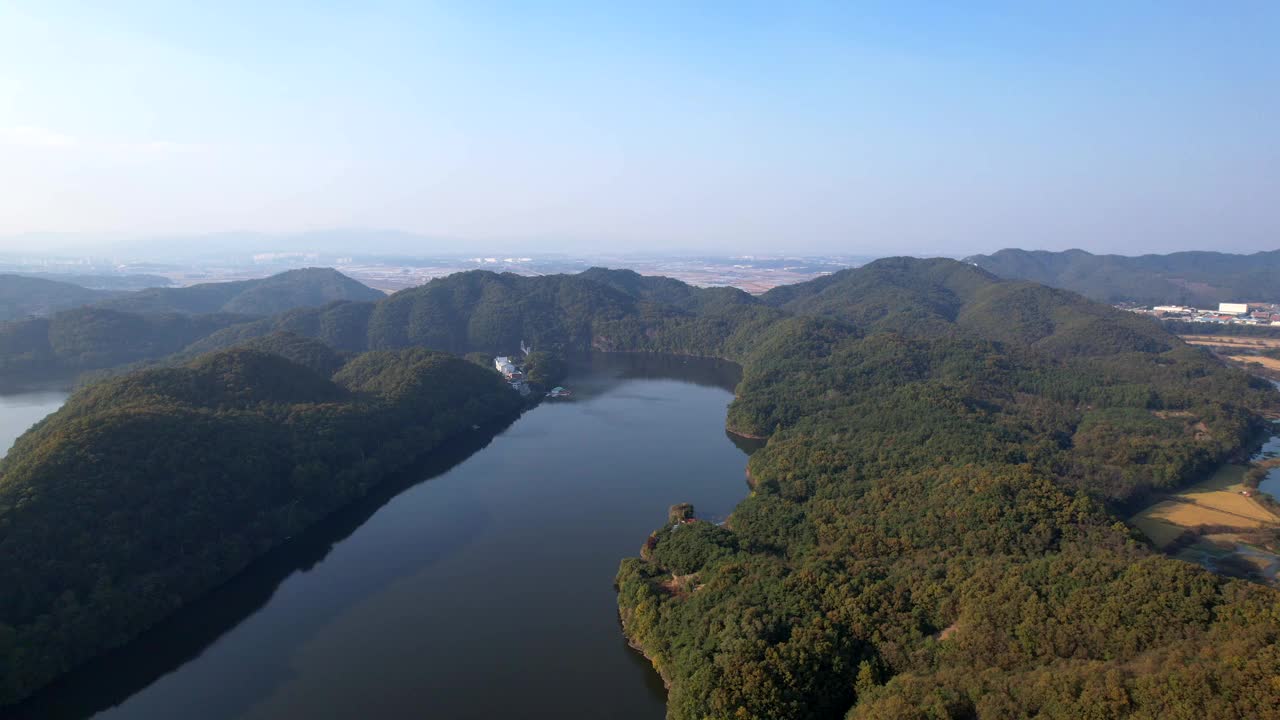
(1216,501)
(1233,548)
(1233,341)
(1266,362)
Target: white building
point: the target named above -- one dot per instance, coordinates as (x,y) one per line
(507,368)
(1233,308)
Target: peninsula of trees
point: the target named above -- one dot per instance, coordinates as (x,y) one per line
(934,528)
(147,490)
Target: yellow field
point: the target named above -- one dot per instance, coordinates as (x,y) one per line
(1187,514)
(1216,501)
(1222,493)
(1238,341)
(1265,362)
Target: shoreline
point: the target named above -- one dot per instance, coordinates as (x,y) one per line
(487,428)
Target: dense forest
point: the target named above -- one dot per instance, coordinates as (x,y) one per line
(1201,279)
(934,526)
(146,490)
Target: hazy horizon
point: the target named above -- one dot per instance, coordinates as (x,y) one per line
(733,129)
(239,246)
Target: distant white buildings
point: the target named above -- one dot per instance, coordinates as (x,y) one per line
(1255,313)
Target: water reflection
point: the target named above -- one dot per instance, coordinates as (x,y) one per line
(20,410)
(108,680)
(484,593)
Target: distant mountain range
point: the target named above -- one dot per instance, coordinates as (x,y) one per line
(1201,279)
(23,296)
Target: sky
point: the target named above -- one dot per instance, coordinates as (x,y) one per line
(855,128)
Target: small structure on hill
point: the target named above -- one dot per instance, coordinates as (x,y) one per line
(680,513)
(508,368)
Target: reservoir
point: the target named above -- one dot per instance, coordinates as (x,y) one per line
(1271,483)
(20,410)
(478,586)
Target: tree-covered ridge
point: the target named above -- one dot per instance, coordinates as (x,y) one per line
(150,324)
(934,529)
(940,441)
(668,291)
(1187,278)
(146,490)
(91,338)
(481,311)
(23,296)
(122,283)
(883,289)
(266,296)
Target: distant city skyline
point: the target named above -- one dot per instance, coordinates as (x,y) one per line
(573,127)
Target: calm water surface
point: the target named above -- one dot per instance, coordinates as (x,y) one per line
(1271,483)
(19,411)
(477,587)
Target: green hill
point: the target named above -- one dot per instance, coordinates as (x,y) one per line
(267,296)
(90,338)
(934,527)
(668,291)
(22,297)
(941,286)
(154,323)
(1201,279)
(147,490)
(103,282)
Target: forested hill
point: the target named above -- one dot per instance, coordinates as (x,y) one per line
(935,526)
(668,291)
(267,296)
(117,283)
(1201,279)
(22,296)
(145,491)
(151,324)
(935,523)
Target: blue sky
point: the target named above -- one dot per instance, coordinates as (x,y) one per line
(739,127)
